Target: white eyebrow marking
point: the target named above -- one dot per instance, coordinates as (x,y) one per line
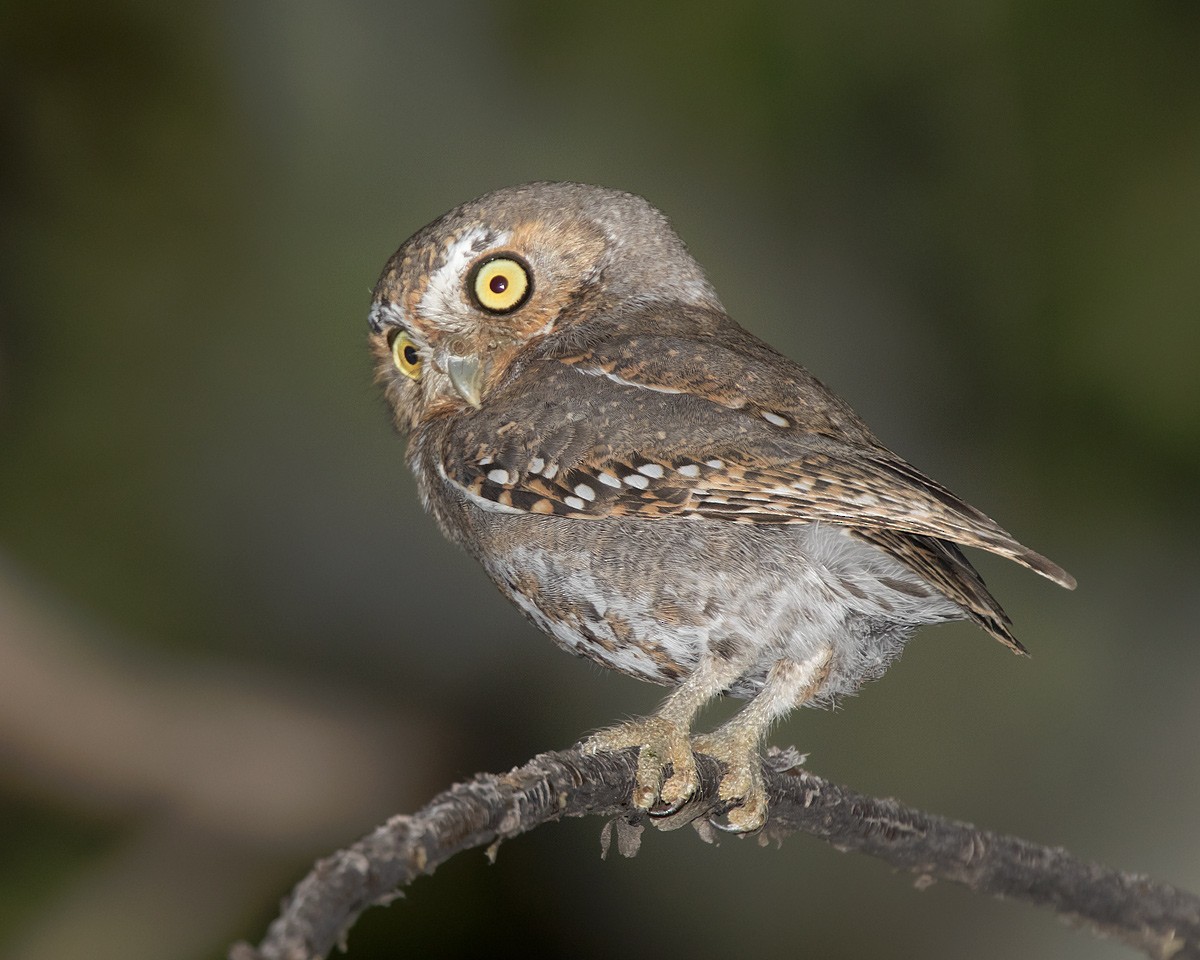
(385,314)
(442,298)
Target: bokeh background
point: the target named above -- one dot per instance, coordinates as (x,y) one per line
(230,641)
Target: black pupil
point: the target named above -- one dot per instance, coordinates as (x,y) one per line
(498,283)
(410,355)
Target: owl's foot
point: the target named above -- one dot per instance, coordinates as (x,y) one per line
(661,742)
(742,785)
(736,744)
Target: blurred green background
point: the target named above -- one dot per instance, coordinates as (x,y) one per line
(230,641)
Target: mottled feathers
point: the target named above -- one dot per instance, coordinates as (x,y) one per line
(623,389)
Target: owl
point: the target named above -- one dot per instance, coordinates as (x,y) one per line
(653,486)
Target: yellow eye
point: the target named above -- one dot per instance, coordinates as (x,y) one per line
(406,356)
(501,284)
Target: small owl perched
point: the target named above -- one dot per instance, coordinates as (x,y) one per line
(653,486)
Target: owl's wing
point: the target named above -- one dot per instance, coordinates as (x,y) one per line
(622,443)
(942,565)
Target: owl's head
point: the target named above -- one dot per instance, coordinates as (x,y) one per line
(472,292)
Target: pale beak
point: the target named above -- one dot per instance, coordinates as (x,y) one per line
(466,373)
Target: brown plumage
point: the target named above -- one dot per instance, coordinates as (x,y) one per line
(652,485)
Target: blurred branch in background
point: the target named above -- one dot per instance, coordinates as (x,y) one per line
(1158,919)
(221,778)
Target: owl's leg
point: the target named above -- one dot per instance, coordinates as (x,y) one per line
(665,737)
(736,743)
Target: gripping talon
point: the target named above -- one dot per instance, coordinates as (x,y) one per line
(662,810)
(660,744)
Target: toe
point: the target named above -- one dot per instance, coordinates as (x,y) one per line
(751,813)
(741,783)
(648,785)
(660,744)
(684,779)
(608,740)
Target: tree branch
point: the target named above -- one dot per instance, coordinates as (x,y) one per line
(1161,921)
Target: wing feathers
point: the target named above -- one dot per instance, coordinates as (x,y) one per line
(672,427)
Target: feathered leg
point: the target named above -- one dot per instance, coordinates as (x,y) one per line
(663,738)
(736,743)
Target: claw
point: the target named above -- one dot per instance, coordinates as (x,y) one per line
(729,826)
(742,784)
(661,811)
(660,744)
(748,818)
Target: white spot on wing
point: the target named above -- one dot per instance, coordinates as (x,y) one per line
(583,490)
(574,503)
(498,476)
(482,502)
(608,479)
(688,470)
(652,470)
(637,480)
(775,419)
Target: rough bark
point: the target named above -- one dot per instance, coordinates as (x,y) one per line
(1155,918)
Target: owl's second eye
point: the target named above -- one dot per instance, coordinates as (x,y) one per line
(406,357)
(500,284)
